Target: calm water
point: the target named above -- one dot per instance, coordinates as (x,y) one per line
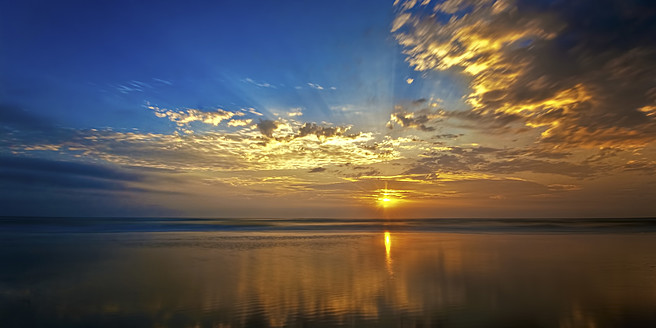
(259,273)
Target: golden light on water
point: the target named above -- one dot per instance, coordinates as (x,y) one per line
(388,255)
(388,243)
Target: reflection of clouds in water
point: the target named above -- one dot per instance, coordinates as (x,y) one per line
(272,279)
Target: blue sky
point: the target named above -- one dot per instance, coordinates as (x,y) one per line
(450,108)
(96,63)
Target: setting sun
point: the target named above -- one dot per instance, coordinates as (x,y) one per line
(388,197)
(385,200)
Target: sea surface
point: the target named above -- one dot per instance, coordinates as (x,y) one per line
(169,272)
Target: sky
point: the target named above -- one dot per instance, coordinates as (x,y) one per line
(345,109)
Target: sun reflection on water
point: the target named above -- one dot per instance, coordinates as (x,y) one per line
(388,249)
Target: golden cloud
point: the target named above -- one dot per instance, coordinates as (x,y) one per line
(185,116)
(539,66)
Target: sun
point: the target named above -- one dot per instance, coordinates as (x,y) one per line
(386,199)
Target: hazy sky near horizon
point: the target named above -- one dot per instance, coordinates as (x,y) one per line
(457,108)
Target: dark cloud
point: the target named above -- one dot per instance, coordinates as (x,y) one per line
(448,136)
(321,131)
(603,154)
(368,172)
(418,119)
(13,116)
(65,168)
(491,123)
(473,150)
(447,162)
(539,166)
(317,170)
(502,161)
(563,187)
(428,120)
(23,172)
(267,127)
(357,171)
(645,167)
(420,169)
(502,188)
(32,186)
(18,126)
(542,153)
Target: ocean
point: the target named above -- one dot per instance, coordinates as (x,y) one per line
(172,272)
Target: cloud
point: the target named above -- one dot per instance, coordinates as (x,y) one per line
(267,127)
(266,145)
(581,82)
(425,115)
(322,131)
(24,172)
(240,122)
(140,86)
(252,111)
(643,166)
(16,117)
(503,162)
(259,84)
(45,187)
(448,136)
(563,187)
(603,154)
(282,130)
(352,171)
(347,109)
(538,166)
(295,112)
(185,116)
(167,82)
(245,159)
(418,120)
(315,86)
(130,87)
(468,189)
